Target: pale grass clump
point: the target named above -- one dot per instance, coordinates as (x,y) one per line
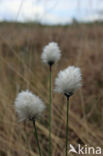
(28,105)
(11,131)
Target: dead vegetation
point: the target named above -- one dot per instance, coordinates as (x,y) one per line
(21,68)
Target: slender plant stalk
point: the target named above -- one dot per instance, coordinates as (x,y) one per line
(50,111)
(67,126)
(36,136)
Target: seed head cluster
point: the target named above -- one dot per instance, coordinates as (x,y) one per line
(28,105)
(51,53)
(68,80)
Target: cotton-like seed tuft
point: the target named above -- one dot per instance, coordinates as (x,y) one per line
(28,105)
(68,80)
(51,53)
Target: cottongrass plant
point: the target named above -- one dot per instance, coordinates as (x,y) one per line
(29,107)
(67,82)
(50,55)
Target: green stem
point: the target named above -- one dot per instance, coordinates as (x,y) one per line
(36,136)
(67,126)
(50,111)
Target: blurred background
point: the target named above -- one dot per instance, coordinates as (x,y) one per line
(25,28)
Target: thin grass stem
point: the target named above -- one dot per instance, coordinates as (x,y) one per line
(50,111)
(67,126)
(36,136)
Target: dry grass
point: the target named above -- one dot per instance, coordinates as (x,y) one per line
(21,68)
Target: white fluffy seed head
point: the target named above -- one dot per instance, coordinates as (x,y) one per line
(68,80)
(51,53)
(28,105)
